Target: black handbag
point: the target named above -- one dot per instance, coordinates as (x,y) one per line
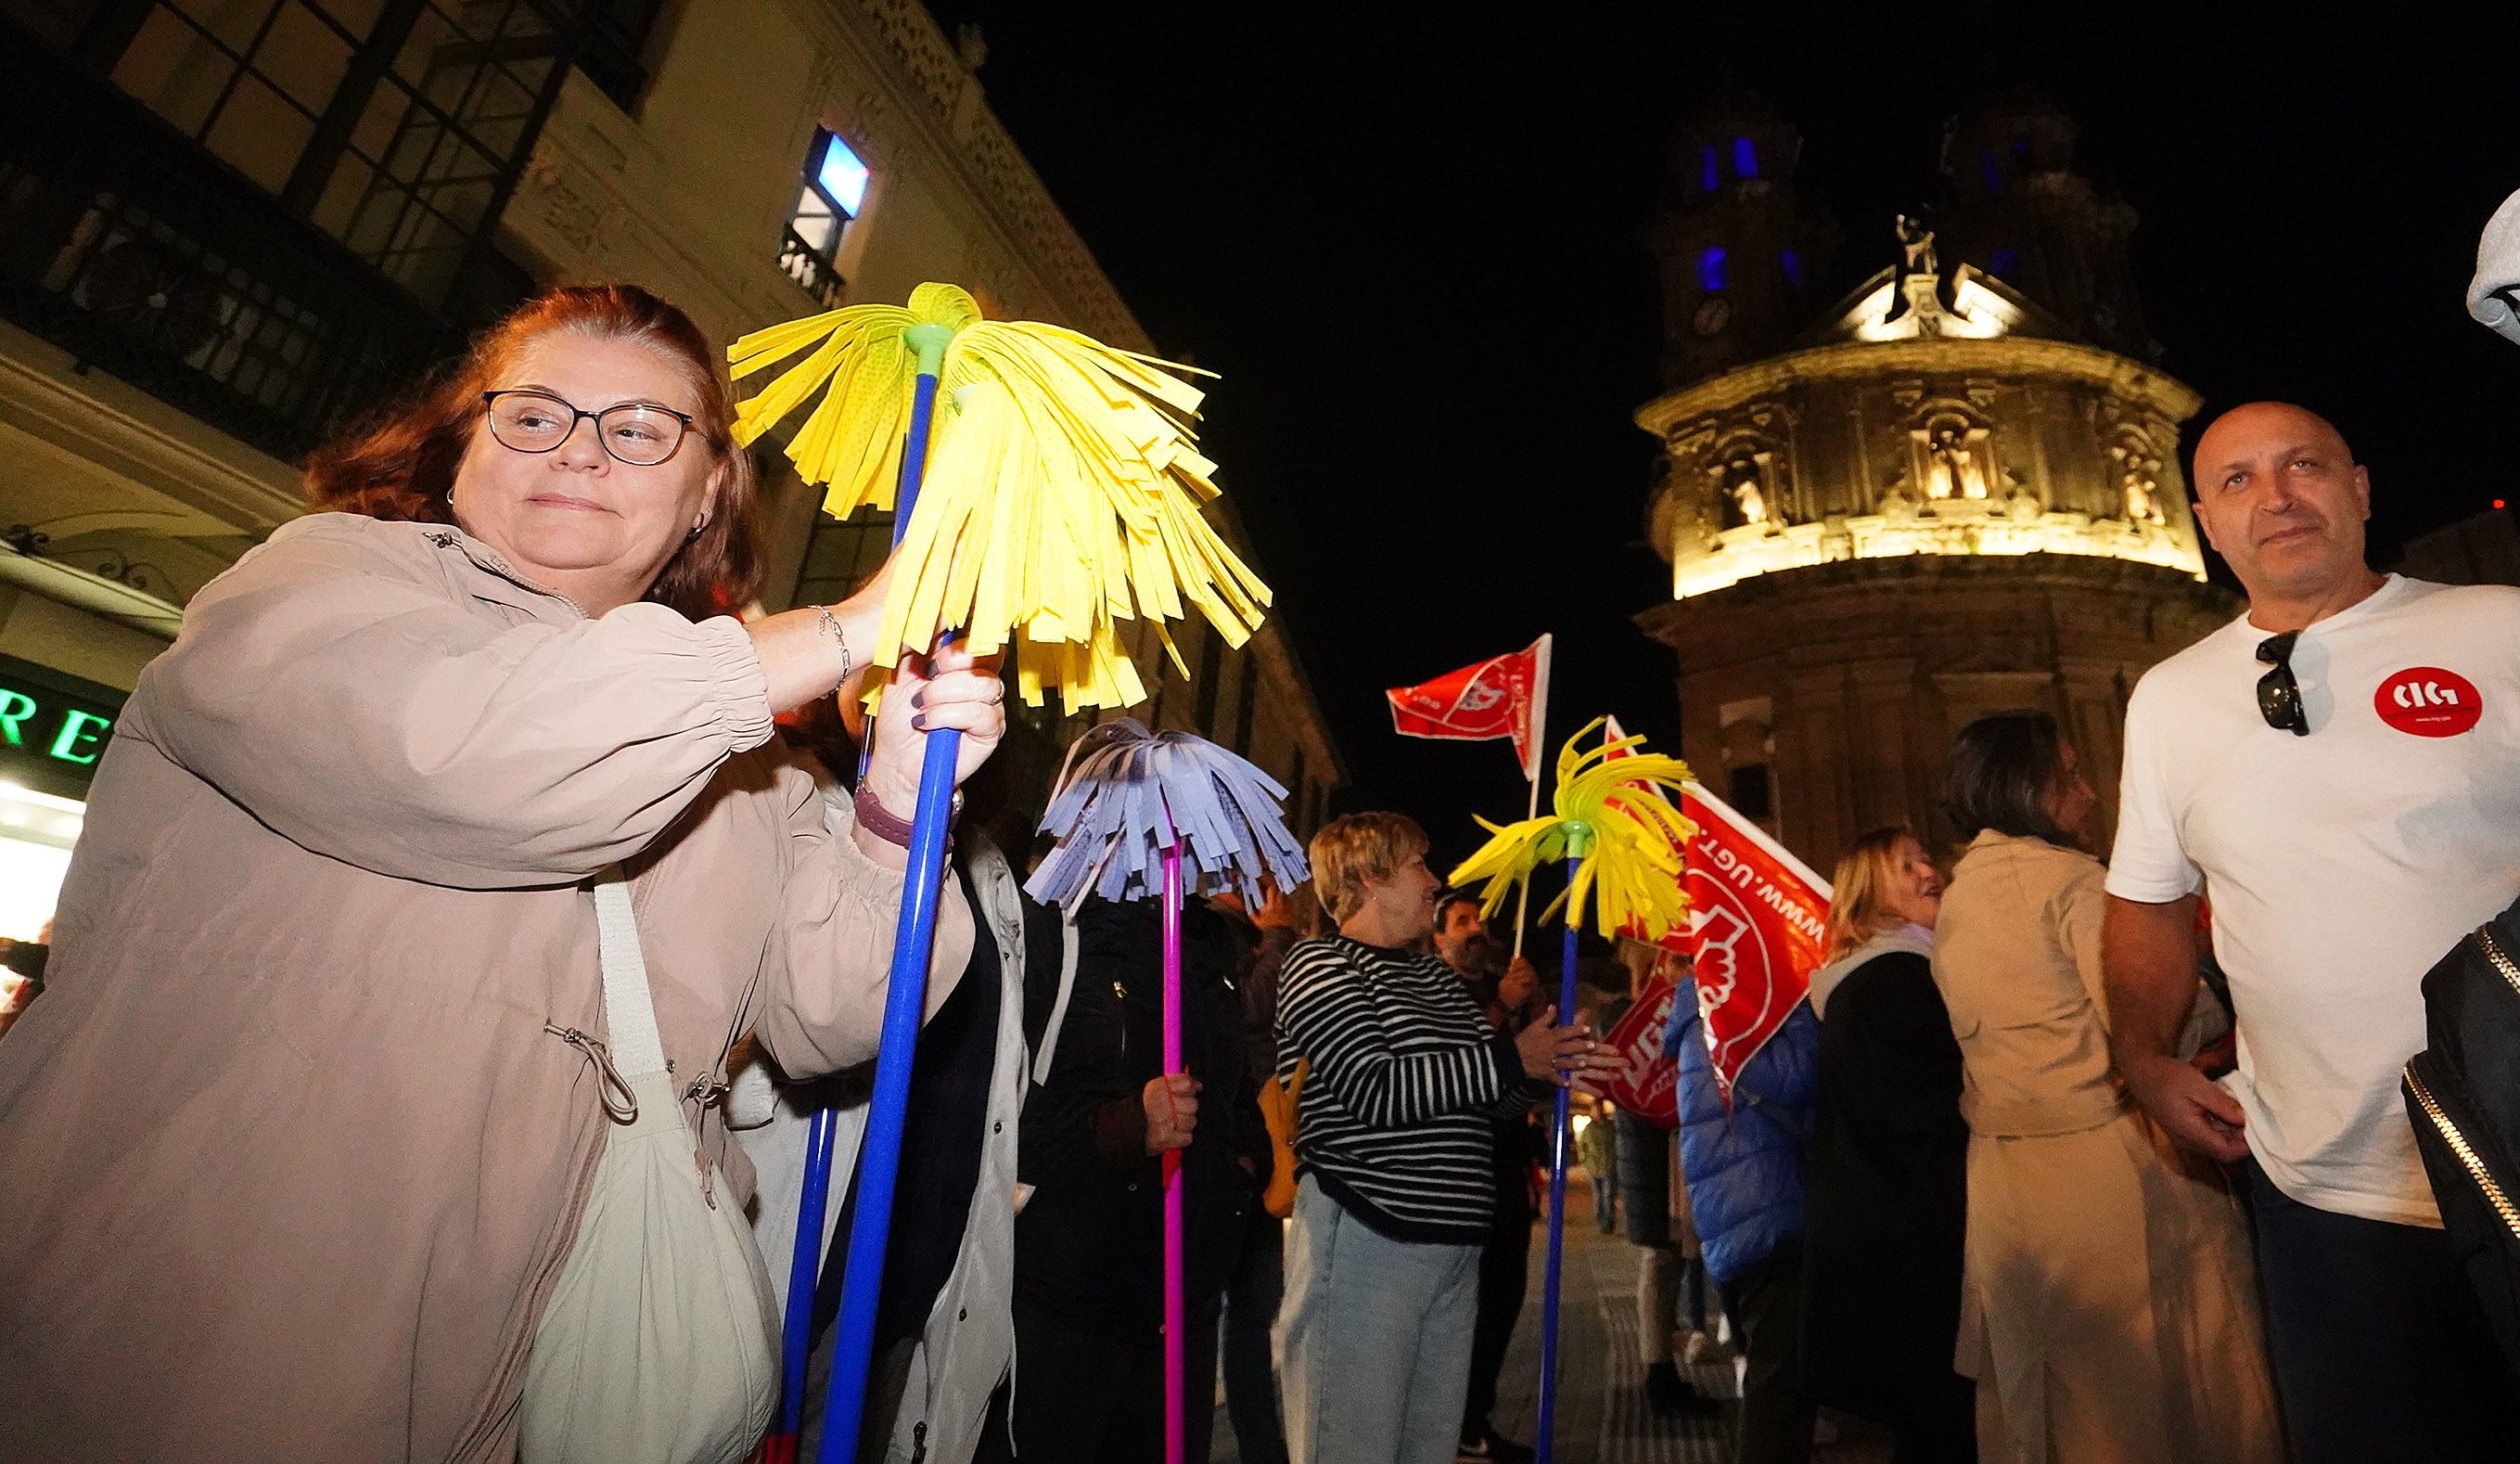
(2462,1092)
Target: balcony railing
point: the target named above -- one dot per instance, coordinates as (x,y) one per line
(125,245)
(809,268)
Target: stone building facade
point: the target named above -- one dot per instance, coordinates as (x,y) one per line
(1937,499)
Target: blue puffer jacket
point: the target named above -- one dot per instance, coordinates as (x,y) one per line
(1745,1167)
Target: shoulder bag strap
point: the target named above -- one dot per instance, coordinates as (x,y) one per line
(629,1011)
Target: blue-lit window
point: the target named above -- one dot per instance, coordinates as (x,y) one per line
(2004,261)
(1990,170)
(1792,262)
(1710,267)
(829,199)
(1746,158)
(1707,174)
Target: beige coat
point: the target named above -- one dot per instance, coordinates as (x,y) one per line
(288,1152)
(2108,1309)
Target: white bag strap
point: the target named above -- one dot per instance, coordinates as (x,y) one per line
(1058,1007)
(629,1011)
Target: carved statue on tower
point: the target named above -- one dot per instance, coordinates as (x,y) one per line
(1916,246)
(1745,493)
(2139,484)
(1956,471)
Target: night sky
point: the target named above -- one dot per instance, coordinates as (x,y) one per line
(1413,252)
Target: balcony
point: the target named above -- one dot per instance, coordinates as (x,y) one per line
(127,246)
(806,266)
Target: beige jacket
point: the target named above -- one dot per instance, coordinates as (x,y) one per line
(290,1153)
(2017,956)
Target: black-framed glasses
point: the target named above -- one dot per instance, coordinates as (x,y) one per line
(2279,690)
(640,433)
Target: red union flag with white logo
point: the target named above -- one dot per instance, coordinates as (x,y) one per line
(1498,697)
(1758,927)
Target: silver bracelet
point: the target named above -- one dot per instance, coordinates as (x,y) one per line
(832,623)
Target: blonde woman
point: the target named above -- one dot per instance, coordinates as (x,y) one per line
(1392,1140)
(1888,1161)
(2109,1297)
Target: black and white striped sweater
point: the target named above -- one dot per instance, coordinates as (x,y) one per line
(1395,1119)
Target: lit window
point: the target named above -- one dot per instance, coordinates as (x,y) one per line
(1990,170)
(1706,172)
(1710,267)
(843,177)
(1793,264)
(1746,158)
(829,200)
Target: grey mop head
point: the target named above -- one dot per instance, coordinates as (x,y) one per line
(1127,792)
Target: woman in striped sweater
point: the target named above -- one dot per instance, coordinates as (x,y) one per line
(1391,1151)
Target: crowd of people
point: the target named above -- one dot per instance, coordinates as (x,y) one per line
(448,794)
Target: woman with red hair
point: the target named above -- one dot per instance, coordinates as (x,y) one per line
(294,1151)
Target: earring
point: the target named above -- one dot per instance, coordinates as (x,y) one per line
(696,527)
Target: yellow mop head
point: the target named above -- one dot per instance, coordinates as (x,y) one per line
(1061,493)
(1608,811)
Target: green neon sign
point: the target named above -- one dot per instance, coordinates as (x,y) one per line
(76,734)
(52,735)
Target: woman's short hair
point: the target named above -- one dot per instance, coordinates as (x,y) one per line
(1859,906)
(2002,769)
(400,464)
(1350,848)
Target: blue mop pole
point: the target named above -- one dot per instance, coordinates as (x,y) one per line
(806,1262)
(905,1002)
(1546,1445)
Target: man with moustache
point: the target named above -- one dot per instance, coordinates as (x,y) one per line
(2339,771)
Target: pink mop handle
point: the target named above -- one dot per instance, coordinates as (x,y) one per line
(1173,1333)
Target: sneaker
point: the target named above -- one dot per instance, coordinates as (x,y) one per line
(1493,1447)
(1671,1394)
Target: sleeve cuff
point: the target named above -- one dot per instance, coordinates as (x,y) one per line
(2126,884)
(861,878)
(740,691)
(1509,1064)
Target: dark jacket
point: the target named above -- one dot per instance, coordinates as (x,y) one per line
(1744,1166)
(1089,1241)
(1888,1192)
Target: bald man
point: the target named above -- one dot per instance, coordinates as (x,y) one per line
(2338,771)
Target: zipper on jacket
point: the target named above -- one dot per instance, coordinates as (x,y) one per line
(2493,953)
(491,562)
(2466,1153)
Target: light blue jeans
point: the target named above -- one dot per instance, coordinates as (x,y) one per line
(1373,1341)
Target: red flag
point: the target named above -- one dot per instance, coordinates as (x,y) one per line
(1758,927)
(1502,696)
(1649,1084)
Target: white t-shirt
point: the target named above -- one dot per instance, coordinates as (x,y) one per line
(2340,865)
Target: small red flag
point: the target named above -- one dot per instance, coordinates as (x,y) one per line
(1503,696)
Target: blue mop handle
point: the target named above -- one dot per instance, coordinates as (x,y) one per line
(905,1002)
(806,1262)
(880,1151)
(1546,1445)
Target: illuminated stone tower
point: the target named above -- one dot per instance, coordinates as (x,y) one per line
(1940,498)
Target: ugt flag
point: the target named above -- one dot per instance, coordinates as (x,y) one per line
(1502,696)
(1758,927)
(1758,924)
